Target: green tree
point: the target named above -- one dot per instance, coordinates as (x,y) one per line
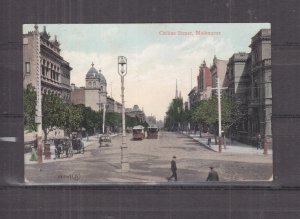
(174,115)
(207,111)
(29,99)
(113,120)
(73,117)
(53,111)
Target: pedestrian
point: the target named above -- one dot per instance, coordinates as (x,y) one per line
(212,175)
(258,143)
(223,138)
(173,169)
(209,141)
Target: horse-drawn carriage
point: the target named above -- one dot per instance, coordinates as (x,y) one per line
(63,146)
(104,140)
(77,144)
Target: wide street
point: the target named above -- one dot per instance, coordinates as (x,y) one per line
(150,162)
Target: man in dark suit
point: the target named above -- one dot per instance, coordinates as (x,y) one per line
(212,175)
(173,169)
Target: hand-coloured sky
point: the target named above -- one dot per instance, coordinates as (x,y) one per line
(155,59)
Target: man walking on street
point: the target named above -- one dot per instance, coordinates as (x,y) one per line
(258,146)
(212,175)
(173,169)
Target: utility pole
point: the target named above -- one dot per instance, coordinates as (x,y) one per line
(103,125)
(218,88)
(38,118)
(219,112)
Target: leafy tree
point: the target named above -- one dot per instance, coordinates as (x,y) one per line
(53,117)
(29,99)
(174,115)
(73,117)
(207,111)
(114,120)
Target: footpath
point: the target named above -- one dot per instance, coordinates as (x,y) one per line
(87,141)
(233,147)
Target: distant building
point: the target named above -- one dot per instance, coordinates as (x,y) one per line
(41,56)
(193,98)
(95,89)
(110,104)
(136,112)
(77,95)
(204,82)
(94,94)
(237,77)
(117,107)
(218,70)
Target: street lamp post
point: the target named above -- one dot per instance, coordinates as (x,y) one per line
(103,125)
(218,88)
(38,118)
(219,112)
(122,70)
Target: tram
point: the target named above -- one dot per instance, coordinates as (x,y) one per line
(152,132)
(138,132)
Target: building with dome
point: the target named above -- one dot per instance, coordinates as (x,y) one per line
(95,89)
(94,94)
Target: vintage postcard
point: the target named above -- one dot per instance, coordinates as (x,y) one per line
(147,103)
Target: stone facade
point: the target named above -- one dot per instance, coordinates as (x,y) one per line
(250,86)
(95,89)
(193,98)
(218,70)
(117,107)
(110,104)
(77,95)
(136,112)
(260,82)
(54,70)
(204,82)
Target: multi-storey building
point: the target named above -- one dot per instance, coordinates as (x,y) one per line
(250,87)
(95,89)
(218,70)
(204,82)
(110,104)
(136,112)
(41,56)
(237,82)
(77,95)
(117,107)
(260,84)
(193,98)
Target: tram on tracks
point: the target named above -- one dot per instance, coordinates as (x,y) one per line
(152,132)
(138,132)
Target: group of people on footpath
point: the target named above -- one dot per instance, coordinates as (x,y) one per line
(212,175)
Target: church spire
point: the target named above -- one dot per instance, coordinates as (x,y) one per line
(176,92)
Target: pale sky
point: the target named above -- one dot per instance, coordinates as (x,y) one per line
(155,60)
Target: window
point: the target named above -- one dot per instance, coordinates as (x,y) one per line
(27,67)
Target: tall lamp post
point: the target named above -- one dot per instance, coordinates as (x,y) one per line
(38,118)
(218,88)
(122,70)
(104,111)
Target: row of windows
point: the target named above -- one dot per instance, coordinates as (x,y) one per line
(90,84)
(48,64)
